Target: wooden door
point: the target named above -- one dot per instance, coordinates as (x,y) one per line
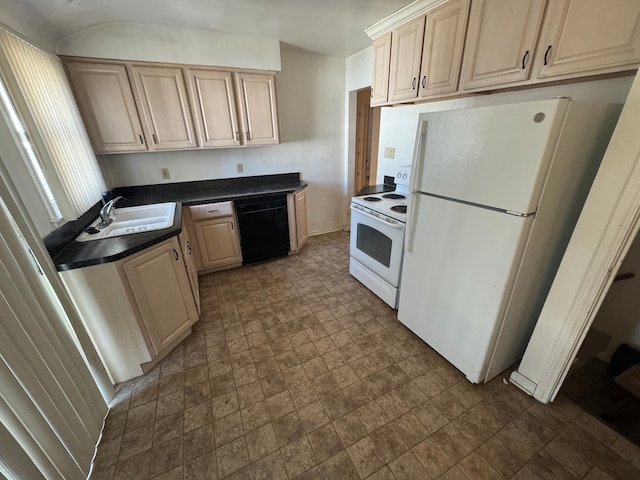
(380,75)
(444,34)
(257,98)
(302,233)
(586,37)
(161,290)
(363,142)
(106,103)
(406,52)
(501,41)
(214,106)
(218,242)
(162,94)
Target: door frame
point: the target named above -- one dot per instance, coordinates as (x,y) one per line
(367,132)
(607,226)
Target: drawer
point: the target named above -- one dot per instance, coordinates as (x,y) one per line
(211,210)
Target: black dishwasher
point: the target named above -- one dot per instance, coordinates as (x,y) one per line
(264,227)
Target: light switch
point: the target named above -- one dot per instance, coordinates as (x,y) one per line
(165,173)
(389,152)
(239,167)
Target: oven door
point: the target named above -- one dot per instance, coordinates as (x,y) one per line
(377,244)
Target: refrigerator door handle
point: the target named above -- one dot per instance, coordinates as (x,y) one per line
(410,230)
(417,156)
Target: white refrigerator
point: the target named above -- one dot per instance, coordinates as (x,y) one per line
(495,194)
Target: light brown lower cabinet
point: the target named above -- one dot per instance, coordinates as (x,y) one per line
(188,254)
(216,232)
(136,310)
(161,290)
(297,211)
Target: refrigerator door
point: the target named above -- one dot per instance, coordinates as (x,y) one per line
(496,156)
(459,267)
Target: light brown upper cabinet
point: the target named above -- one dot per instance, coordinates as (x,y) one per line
(214,106)
(586,37)
(406,52)
(162,94)
(106,103)
(234,109)
(501,41)
(380,75)
(257,103)
(444,34)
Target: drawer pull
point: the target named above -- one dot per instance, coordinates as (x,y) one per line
(212,211)
(546,55)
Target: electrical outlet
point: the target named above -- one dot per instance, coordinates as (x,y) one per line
(389,152)
(239,167)
(165,173)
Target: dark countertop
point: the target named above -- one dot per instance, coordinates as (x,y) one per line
(68,254)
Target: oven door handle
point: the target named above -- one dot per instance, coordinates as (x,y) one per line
(398,225)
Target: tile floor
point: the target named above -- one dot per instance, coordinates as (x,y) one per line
(594,389)
(295,370)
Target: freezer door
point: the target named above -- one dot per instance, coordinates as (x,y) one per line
(457,277)
(496,156)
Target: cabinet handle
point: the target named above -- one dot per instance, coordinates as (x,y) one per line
(176,253)
(212,211)
(237,136)
(424,81)
(155,139)
(413,84)
(189,246)
(546,55)
(248,135)
(524,59)
(231,225)
(141,139)
(371,94)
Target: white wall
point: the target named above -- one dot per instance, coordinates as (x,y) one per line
(155,43)
(18,18)
(398,124)
(310,91)
(357,77)
(619,315)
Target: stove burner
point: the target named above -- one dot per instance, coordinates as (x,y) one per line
(372,199)
(394,196)
(399,208)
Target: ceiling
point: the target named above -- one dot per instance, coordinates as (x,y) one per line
(325,27)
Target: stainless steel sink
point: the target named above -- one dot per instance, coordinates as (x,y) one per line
(130,220)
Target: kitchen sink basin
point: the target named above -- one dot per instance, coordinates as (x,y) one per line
(130,220)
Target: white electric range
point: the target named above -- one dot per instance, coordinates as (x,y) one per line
(377,238)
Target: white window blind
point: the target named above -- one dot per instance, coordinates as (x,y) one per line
(46,93)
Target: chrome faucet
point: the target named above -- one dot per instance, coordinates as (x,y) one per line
(105,212)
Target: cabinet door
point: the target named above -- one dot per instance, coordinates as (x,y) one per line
(218,242)
(190,265)
(442,52)
(214,107)
(501,40)
(105,101)
(162,94)
(257,98)
(161,290)
(406,52)
(300,200)
(380,75)
(586,37)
